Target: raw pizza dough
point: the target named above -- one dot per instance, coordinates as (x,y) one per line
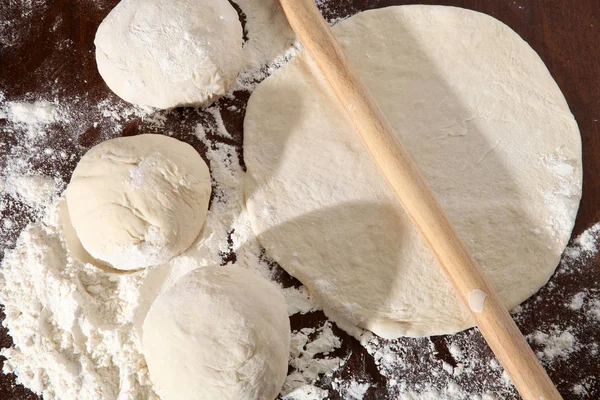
(170,53)
(218,333)
(487,126)
(138,201)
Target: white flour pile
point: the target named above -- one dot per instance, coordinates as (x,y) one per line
(76,328)
(71,325)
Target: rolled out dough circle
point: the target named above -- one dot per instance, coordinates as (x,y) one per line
(488,128)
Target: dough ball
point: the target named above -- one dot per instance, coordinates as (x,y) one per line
(139,201)
(487,127)
(218,333)
(170,53)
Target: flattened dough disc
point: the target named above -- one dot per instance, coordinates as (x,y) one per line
(487,126)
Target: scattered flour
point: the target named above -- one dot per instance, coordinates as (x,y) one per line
(307,392)
(120,112)
(36,191)
(268,36)
(556,344)
(76,327)
(586,244)
(351,390)
(271,42)
(32,116)
(585,389)
(39,112)
(577,301)
(595,310)
(220,127)
(307,367)
(299,300)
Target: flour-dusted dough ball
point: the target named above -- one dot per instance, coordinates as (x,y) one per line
(218,333)
(139,201)
(488,128)
(170,53)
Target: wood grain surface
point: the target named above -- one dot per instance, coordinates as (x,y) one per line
(51,52)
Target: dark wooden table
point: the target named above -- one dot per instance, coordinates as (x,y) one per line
(46,51)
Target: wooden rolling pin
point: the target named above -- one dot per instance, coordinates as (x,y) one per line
(494,322)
